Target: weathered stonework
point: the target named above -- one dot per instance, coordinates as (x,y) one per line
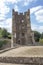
(22,60)
(21,28)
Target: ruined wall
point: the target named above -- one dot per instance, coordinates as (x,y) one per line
(21,28)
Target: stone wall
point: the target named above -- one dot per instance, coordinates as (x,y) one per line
(6,44)
(23,60)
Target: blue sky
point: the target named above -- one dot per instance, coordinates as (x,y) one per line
(36,12)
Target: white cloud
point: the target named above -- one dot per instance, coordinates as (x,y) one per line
(2,1)
(16,8)
(38,12)
(34,27)
(39,15)
(2,17)
(13,1)
(3,9)
(7,24)
(26,2)
(34,9)
(37,28)
(40,29)
(39,19)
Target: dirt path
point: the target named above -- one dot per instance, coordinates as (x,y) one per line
(10,64)
(25,51)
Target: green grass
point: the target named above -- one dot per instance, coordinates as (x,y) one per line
(41,41)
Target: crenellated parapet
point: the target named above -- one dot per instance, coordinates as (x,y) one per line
(17,13)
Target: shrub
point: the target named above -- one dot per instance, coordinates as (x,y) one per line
(3,42)
(9,36)
(41,40)
(37,36)
(4,33)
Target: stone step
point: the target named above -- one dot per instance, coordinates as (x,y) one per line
(32,55)
(22,60)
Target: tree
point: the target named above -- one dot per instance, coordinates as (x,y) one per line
(9,35)
(4,33)
(41,36)
(0,33)
(37,36)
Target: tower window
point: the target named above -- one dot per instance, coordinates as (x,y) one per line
(18,41)
(22,34)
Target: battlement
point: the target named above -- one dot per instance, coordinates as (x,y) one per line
(17,13)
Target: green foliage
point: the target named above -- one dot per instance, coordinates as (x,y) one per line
(37,36)
(9,36)
(4,33)
(3,42)
(41,40)
(41,36)
(0,33)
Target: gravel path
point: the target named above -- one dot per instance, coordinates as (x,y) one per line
(25,51)
(10,64)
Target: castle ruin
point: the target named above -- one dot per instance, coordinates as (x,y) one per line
(21,28)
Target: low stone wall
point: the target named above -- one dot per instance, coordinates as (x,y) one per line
(23,60)
(6,43)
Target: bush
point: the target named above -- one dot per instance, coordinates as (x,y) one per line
(9,36)
(4,33)
(41,40)
(37,36)
(3,42)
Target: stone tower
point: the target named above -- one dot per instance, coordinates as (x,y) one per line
(21,28)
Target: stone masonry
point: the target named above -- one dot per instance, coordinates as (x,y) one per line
(21,28)
(22,60)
